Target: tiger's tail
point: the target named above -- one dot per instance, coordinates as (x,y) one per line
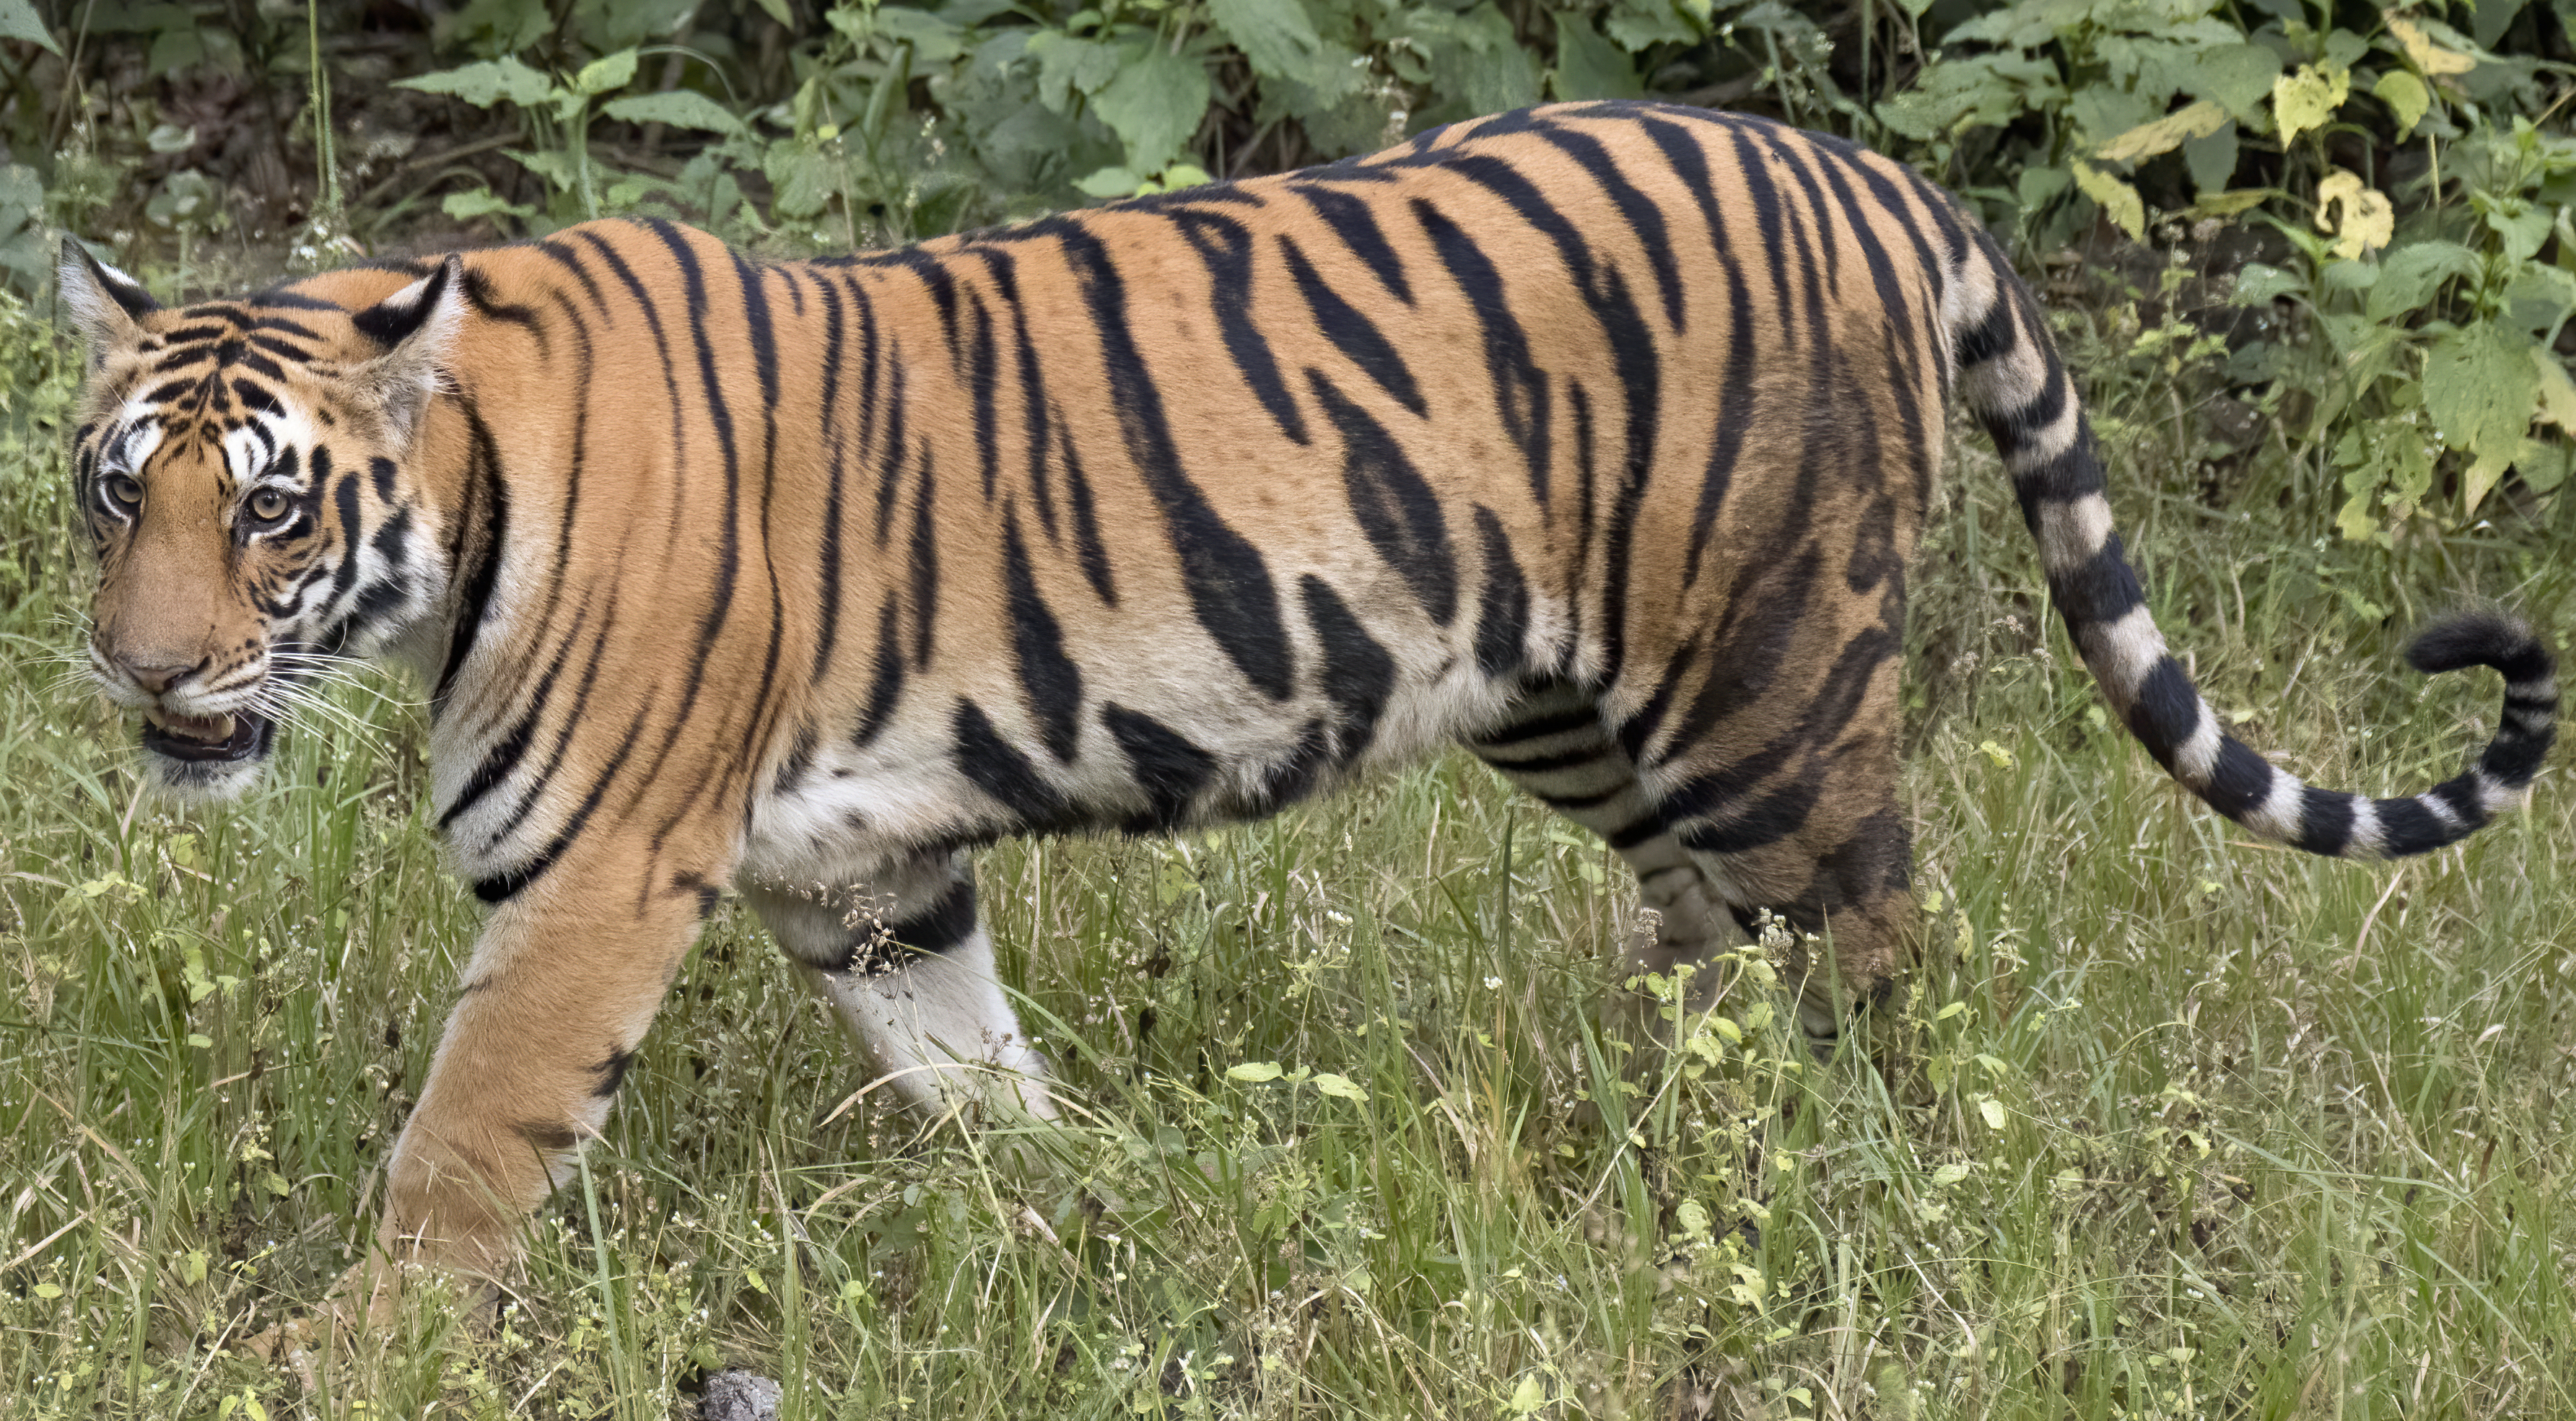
(2011,378)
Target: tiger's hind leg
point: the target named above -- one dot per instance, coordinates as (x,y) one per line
(1803,820)
(1553,744)
(902,955)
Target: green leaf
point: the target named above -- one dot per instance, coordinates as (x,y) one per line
(1279,41)
(555,167)
(680,108)
(483,202)
(777,10)
(934,38)
(1069,66)
(1475,59)
(1109,182)
(1993,1112)
(1950,1173)
(19,20)
(2480,388)
(2406,97)
(1342,1087)
(1588,66)
(485,84)
(1635,24)
(2211,159)
(1254,1071)
(1154,106)
(2119,200)
(2411,274)
(2238,75)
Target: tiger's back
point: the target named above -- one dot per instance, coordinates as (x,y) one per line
(1597,436)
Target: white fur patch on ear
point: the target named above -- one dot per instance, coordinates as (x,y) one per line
(417,326)
(103,301)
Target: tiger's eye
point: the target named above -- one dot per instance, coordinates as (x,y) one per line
(124,490)
(268,505)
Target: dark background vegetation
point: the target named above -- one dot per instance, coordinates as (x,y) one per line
(2398,180)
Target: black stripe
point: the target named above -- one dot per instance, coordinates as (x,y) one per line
(997,767)
(755,316)
(947,922)
(1086,520)
(827,555)
(1052,681)
(2103,590)
(487,513)
(983,381)
(924,562)
(885,686)
(1582,717)
(1358,674)
(2166,711)
(1351,332)
(1166,765)
(1520,387)
(570,261)
(1229,584)
(505,885)
(1354,221)
(1638,215)
(1224,245)
(2239,779)
(1393,503)
(2325,821)
(1545,764)
(2407,827)
(1502,613)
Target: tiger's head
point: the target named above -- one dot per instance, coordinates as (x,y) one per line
(247,469)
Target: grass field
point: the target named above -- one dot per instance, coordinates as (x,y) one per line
(2186,1127)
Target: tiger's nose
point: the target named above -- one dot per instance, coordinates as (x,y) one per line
(156,674)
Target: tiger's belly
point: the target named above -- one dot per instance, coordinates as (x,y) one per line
(1159,741)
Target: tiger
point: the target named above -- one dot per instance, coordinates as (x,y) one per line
(1595,437)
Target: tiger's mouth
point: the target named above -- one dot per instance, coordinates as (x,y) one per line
(243,735)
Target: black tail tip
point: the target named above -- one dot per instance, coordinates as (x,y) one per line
(2482,639)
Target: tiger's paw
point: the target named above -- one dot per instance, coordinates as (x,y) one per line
(368,1303)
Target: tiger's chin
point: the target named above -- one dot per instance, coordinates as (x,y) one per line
(208,757)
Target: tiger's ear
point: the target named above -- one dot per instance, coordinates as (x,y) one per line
(416,327)
(104,302)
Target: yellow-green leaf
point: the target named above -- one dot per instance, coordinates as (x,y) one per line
(2002,757)
(2308,98)
(2118,199)
(2424,54)
(1993,1110)
(1255,1071)
(2557,391)
(2165,134)
(2368,221)
(2406,97)
(1342,1086)
(606,73)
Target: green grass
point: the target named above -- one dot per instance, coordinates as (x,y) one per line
(2190,1128)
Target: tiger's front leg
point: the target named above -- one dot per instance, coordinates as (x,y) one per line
(901,953)
(562,984)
